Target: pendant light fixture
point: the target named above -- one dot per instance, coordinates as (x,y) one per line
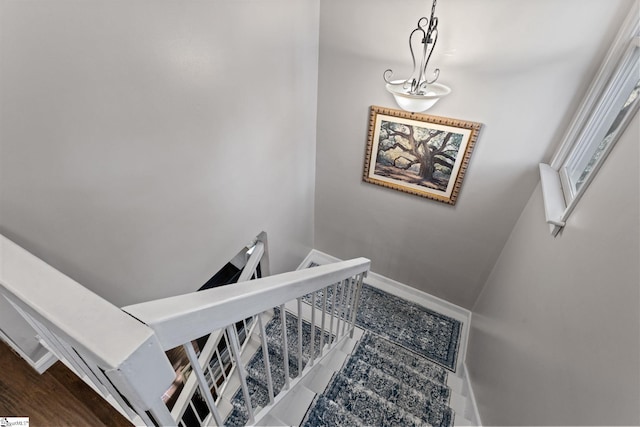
(417,93)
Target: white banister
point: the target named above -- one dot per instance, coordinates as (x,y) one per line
(182,318)
(71,319)
(121,352)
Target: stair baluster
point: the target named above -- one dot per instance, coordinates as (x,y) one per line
(265,356)
(312,351)
(324,315)
(235,351)
(202,382)
(285,351)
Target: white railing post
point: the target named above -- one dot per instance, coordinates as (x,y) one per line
(300,367)
(347,303)
(324,313)
(235,351)
(339,307)
(265,268)
(312,351)
(202,382)
(354,312)
(285,349)
(265,356)
(333,312)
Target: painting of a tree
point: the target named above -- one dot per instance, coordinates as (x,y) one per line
(418,154)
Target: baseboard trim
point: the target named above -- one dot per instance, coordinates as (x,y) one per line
(45,362)
(475,414)
(40,365)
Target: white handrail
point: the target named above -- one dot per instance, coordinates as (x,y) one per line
(121,351)
(91,333)
(183,318)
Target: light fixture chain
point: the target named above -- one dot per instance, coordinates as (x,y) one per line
(433,10)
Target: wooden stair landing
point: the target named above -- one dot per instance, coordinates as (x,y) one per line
(56,398)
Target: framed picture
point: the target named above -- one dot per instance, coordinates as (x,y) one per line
(417,153)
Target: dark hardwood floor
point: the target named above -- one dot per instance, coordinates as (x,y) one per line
(56,398)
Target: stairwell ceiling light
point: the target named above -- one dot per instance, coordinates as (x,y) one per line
(417,93)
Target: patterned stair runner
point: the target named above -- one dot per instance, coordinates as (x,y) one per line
(385,391)
(382,383)
(329,413)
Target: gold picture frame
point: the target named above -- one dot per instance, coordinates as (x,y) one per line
(417,153)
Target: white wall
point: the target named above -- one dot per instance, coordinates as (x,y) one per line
(144,143)
(555,336)
(518,67)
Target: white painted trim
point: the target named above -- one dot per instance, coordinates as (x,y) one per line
(45,362)
(628,32)
(606,94)
(471,397)
(40,365)
(554,204)
(318,257)
(412,294)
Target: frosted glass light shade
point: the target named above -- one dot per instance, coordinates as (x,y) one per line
(417,103)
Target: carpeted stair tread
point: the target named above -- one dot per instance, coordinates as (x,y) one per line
(255,368)
(406,366)
(405,356)
(328,413)
(256,374)
(259,397)
(417,391)
(434,413)
(368,406)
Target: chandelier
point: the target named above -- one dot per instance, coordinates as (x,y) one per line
(418,93)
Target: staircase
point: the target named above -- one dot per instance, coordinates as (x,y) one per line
(120,352)
(367,380)
(255,352)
